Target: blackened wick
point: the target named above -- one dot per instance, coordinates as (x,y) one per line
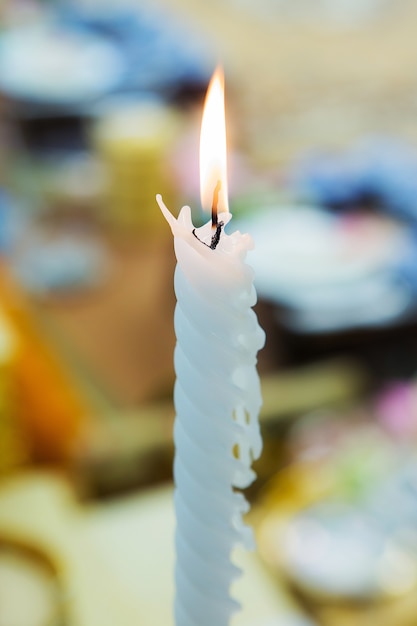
(215,238)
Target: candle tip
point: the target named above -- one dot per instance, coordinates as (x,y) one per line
(165,211)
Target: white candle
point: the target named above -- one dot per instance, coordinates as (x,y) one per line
(217,401)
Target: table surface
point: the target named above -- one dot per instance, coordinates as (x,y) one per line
(116,558)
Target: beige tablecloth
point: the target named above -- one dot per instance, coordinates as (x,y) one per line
(116,559)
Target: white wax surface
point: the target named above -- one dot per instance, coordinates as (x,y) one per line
(217,400)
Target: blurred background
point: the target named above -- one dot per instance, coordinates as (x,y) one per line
(100,109)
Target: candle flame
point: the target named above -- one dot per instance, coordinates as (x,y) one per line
(213,160)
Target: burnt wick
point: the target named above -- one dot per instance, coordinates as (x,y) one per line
(215,238)
(215,203)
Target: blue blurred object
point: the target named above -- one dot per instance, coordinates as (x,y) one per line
(406,266)
(160,52)
(59,264)
(381,171)
(45,64)
(78,54)
(330,180)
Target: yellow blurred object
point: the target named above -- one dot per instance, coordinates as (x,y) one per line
(12,445)
(398,612)
(133,143)
(331,382)
(47,406)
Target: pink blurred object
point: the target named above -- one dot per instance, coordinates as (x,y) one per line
(397,410)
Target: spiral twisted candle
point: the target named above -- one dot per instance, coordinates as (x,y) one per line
(217,400)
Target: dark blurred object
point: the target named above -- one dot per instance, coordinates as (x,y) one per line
(123,451)
(332,382)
